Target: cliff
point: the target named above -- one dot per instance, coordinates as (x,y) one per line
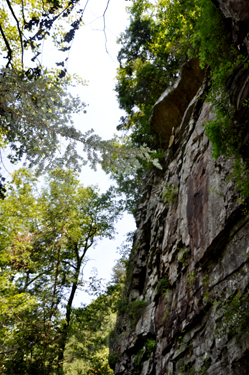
(186,301)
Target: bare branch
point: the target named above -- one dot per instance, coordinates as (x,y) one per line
(18,27)
(105,26)
(9,56)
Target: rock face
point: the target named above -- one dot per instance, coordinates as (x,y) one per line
(236,11)
(186,302)
(170,107)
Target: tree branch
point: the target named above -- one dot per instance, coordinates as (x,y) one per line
(35,278)
(18,27)
(120,151)
(105,26)
(9,56)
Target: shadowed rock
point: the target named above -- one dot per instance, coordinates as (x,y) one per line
(170,107)
(238,10)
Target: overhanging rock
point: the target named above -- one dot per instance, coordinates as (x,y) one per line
(170,107)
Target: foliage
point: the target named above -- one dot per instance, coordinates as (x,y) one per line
(191,279)
(215,50)
(161,36)
(133,309)
(91,328)
(149,63)
(170,194)
(144,352)
(34,114)
(136,309)
(182,256)
(150,346)
(163,285)
(235,314)
(113,359)
(103,370)
(45,235)
(30,97)
(138,358)
(26,24)
(35,106)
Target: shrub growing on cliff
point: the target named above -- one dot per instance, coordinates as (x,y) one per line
(235,314)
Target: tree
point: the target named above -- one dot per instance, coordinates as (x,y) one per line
(45,236)
(35,105)
(24,25)
(162,35)
(153,48)
(23,28)
(87,348)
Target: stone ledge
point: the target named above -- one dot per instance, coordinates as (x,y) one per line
(172,104)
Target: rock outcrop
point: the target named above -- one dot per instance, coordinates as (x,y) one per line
(186,303)
(172,104)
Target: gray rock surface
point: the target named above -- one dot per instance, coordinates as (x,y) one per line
(189,267)
(198,243)
(238,10)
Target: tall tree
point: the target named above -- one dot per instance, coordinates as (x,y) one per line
(45,236)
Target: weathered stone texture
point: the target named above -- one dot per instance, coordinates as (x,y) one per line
(198,242)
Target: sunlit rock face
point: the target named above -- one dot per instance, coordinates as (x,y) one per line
(189,266)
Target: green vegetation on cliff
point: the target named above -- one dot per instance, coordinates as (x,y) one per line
(162,35)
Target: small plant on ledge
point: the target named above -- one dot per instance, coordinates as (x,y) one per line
(182,256)
(170,194)
(163,285)
(135,310)
(191,279)
(113,359)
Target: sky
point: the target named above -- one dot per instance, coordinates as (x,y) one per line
(89,59)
